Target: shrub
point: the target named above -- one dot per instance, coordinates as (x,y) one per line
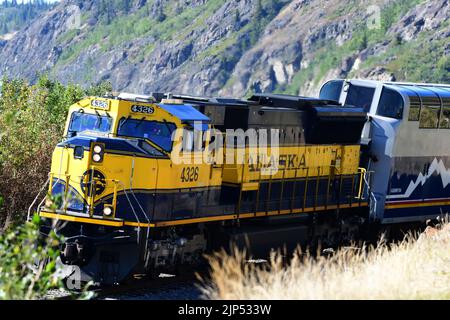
(28,268)
(32,119)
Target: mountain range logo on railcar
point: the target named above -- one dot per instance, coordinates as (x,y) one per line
(437,167)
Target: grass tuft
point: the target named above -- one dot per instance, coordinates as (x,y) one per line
(416,268)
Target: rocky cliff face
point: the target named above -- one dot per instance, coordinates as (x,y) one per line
(311,42)
(233,47)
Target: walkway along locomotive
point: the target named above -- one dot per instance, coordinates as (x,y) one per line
(337,165)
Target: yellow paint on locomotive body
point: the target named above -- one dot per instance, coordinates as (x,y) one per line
(294,162)
(122,170)
(64,166)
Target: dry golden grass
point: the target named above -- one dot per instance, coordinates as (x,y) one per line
(417,268)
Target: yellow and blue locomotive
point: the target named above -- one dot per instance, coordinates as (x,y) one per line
(125,203)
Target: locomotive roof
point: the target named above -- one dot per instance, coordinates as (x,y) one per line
(185,112)
(290,101)
(281,101)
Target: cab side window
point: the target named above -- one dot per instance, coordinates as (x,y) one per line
(331,90)
(391,104)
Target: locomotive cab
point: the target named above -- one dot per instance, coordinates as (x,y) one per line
(111,145)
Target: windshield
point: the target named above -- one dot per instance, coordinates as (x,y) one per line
(158,132)
(89,122)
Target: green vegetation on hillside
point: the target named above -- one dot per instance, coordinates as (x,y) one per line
(197,35)
(265,10)
(171,22)
(32,119)
(14,15)
(429,63)
(115,27)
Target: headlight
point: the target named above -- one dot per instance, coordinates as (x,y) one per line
(96,157)
(98,149)
(107,211)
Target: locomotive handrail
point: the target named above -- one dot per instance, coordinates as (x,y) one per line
(323,172)
(36,198)
(68,178)
(143,211)
(91,198)
(355,193)
(369,192)
(132,209)
(363,172)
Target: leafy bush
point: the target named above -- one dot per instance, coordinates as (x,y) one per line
(28,268)
(32,119)
(20,249)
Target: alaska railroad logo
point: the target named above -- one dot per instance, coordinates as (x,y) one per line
(87,185)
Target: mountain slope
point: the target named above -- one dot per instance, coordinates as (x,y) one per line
(14,15)
(334,41)
(232,47)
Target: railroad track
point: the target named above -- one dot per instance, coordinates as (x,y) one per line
(165,287)
(161,288)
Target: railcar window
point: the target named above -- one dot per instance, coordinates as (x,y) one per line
(429,116)
(81,121)
(159,133)
(331,90)
(391,104)
(414,108)
(444,122)
(361,97)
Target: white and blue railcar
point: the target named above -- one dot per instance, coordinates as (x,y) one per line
(408,142)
